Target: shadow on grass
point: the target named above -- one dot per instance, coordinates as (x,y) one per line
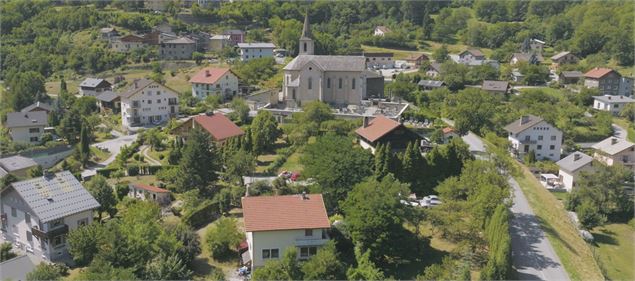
(549,230)
(415,259)
(604,238)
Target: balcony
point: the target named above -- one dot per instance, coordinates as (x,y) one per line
(528,141)
(135,105)
(63,229)
(172,102)
(302,242)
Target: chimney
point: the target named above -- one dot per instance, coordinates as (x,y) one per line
(365,121)
(609,97)
(209,113)
(305,196)
(524,119)
(576,157)
(48,174)
(207,73)
(135,84)
(613,141)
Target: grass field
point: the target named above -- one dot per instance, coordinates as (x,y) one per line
(615,249)
(149,180)
(575,254)
(293,163)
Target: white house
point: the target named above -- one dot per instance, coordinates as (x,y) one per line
(379,60)
(17,165)
(218,42)
(128,43)
(613,104)
(26,127)
(149,192)
(536,45)
(249,51)
(571,166)
(613,150)
(381,30)
(214,81)
(147,102)
(38,213)
(533,133)
(471,57)
(93,87)
(275,223)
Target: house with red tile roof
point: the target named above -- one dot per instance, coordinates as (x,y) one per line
(149,192)
(276,223)
(217,125)
(606,80)
(449,133)
(214,81)
(383,130)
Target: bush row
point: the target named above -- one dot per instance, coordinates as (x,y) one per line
(283,155)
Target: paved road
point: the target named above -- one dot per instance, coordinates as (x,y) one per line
(619,132)
(114,146)
(533,257)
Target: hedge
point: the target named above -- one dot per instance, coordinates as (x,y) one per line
(134,170)
(283,155)
(205,213)
(106,172)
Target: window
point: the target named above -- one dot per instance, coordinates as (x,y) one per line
(14,212)
(29,236)
(27,218)
(539,147)
(275,253)
(34,130)
(328,83)
(82,222)
(340,83)
(353,85)
(310,83)
(33,139)
(625,158)
(308,232)
(527,138)
(539,137)
(149,101)
(56,223)
(159,101)
(553,138)
(59,241)
(266,253)
(270,253)
(552,147)
(306,252)
(293,93)
(304,47)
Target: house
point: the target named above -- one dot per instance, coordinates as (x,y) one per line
(383,130)
(470,56)
(449,133)
(416,59)
(248,51)
(613,104)
(146,102)
(379,60)
(275,223)
(536,45)
(525,57)
(340,80)
(177,49)
(626,86)
(235,36)
(128,43)
(219,127)
(534,133)
(155,5)
(148,192)
(495,87)
(38,106)
(613,150)
(93,87)
(108,33)
(563,58)
(428,85)
(571,167)
(201,40)
(219,42)
(17,165)
(433,70)
(570,77)
(381,30)
(517,76)
(38,213)
(606,80)
(26,127)
(374,84)
(109,100)
(214,81)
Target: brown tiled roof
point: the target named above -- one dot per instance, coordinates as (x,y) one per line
(377,128)
(493,85)
(414,57)
(150,188)
(132,38)
(209,75)
(136,86)
(474,52)
(219,126)
(268,213)
(448,130)
(598,72)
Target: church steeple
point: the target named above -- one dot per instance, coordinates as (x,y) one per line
(306,43)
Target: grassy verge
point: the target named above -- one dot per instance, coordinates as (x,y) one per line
(615,250)
(626,125)
(149,180)
(575,254)
(99,155)
(400,54)
(156,155)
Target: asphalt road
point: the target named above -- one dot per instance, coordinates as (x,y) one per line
(533,257)
(619,132)
(114,146)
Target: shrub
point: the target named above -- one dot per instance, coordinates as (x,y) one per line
(223,238)
(161,156)
(132,170)
(135,157)
(202,215)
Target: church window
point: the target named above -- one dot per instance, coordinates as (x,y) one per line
(328,83)
(310,83)
(353,85)
(293,92)
(340,83)
(305,47)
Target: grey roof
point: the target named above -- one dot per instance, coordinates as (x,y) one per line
(26,119)
(473,52)
(559,55)
(518,126)
(493,85)
(136,86)
(431,83)
(527,57)
(18,267)
(42,105)
(614,99)
(17,162)
(180,40)
(92,82)
(233,31)
(572,74)
(372,74)
(3,173)
(107,29)
(306,28)
(220,37)
(436,66)
(257,45)
(613,145)
(574,161)
(329,63)
(107,96)
(55,196)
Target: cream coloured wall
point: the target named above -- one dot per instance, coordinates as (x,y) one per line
(151,105)
(281,240)
(23,135)
(229,82)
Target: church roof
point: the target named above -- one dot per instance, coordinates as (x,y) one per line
(329,63)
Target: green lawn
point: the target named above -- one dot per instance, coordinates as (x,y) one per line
(293,163)
(400,54)
(575,254)
(149,180)
(156,155)
(614,248)
(98,154)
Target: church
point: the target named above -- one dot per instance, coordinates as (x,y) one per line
(336,80)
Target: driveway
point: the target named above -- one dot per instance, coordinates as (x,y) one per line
(114,146)
(619,132)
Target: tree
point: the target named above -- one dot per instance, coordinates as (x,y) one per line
(589,215)
(46,272)
(198,57)
(84,243)
(499,262)
(191,245)
(63,85)
(440,54)
(264,131)
(316,111)
(366,269)
(223,239)
(84,145)
(167,268)
(374,216)
(530,158)
(102,192)
(199,164)
(325,265)
(70,125)
(241,110)
(5,252)
(413,168)
(534,74)
(239,164)
(36,171)
(24,88)
(454,75)
(287,268)
(100,269)
(473,110)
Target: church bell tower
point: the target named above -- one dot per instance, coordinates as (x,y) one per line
(306,43)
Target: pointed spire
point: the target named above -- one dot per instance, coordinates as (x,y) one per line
(306,30)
